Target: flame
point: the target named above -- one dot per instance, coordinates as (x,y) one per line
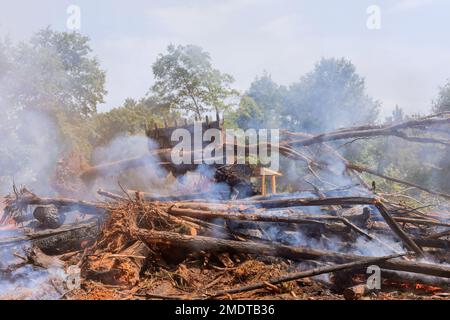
(414,286)
(428,288)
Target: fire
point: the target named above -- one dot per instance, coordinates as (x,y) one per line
(414,286)
(428,288)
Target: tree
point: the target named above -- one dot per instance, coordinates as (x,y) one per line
(49,90)
(398,115)
(129,119)
(333,95)
(442,102)
(248,115)
(270,98)
(186,80)
(54,71)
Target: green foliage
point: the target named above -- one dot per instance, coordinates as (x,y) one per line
(186,81)
(333,95)
(247,113)
(270,97)
(131,119)
(54,72)
(442,102)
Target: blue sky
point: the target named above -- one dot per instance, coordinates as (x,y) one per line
(404,62)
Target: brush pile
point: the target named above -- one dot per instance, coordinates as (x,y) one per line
(325,243)
(228,249)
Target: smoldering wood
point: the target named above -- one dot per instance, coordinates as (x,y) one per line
(181,197)
(209,215)
(49,216)
(422,222)
(133,260)
(26,198)
(111,195)
(306,274)
(58,241)
(356,292)
(433,243)
(283,203)
(398,231)
(39,259)
(276,250)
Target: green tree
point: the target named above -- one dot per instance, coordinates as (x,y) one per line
(442,103)
(442,173)
(333,95)
(130,119)
(246,115)
(55,71)
(187,81)
(270,98)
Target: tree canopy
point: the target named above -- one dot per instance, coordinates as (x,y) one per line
(442,103)
(53,71)
(186,80)
(333,95)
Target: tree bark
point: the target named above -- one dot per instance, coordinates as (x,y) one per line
(276,250)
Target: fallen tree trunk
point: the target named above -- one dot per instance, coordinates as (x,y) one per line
(58,241)
(374,131)
(305,202)
(356,292)
(361,169)
(422,222)
(410,244)
(199,243)
(433,243)
(209,215)
(283,203)
(25,198)
(45,234)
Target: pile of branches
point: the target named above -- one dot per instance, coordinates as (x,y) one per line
(136,239)
(139,245)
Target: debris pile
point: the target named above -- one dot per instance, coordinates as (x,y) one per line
(310,244)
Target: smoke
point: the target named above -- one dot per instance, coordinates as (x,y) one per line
(149,175)
(29,147)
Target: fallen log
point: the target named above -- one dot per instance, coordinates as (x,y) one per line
(398,231)
(422,222)
(209,215)
(45,234)
(356,292)
(305,274)
(373,131)
(362,169)
(305,202)
(283,203)
(26,198)
(199,243)
(433,243)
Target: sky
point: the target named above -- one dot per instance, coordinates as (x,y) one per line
(404,60)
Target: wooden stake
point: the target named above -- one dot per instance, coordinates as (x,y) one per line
(274,184)
(263,185)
